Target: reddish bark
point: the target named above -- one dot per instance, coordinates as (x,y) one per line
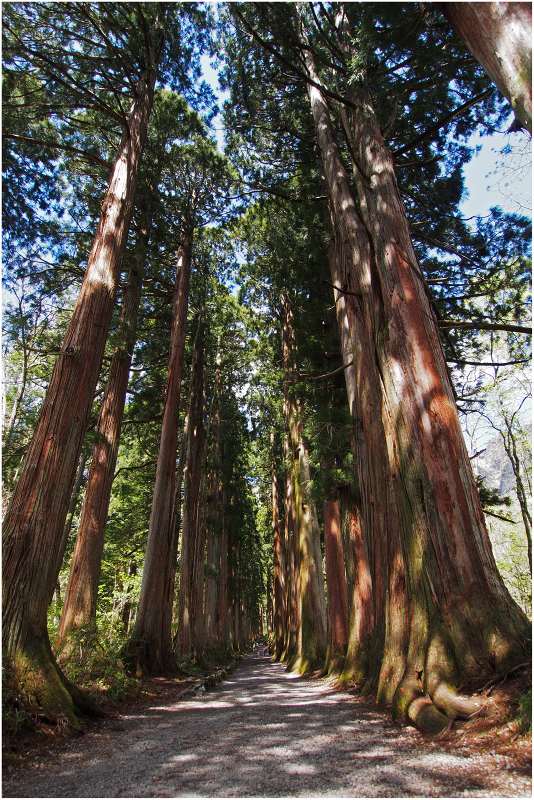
(33,526)
(290,579)
(151,641)
(362,611)
(336,583)
(499,35)
(79,609)
(308,607)
(448,615)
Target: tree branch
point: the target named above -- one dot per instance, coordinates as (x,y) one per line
(488,363)
(443,121)
(485,326)
(304,376)
(56,146)
(271,49)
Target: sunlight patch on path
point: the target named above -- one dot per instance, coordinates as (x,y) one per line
(263,732)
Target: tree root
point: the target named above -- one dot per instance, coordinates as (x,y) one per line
(45,688)
(453,704)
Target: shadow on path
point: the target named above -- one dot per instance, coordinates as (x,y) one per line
(262,732)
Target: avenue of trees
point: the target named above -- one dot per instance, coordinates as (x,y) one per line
(239,383)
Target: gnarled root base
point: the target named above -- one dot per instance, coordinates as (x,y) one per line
(45,689)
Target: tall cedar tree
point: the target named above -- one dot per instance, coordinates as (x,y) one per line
(33,526)
(425,530)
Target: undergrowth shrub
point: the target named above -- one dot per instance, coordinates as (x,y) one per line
(93,662)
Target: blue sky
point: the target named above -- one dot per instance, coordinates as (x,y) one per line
(499,173)
(497,178)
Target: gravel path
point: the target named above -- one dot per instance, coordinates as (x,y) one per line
(262,732)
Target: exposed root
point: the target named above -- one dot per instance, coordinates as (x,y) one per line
(452,703)
(424,715)
(45,688)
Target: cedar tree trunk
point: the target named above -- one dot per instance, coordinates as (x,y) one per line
(336,584)
(151,641)
(448,619)
(279,605)
(79,610)
(192,483)
(499,35)
(310,617)
(33,526)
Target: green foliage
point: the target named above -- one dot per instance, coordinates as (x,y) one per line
(525,711)
(94,663)
(16,716)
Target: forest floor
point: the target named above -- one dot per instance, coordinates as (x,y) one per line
(261,732)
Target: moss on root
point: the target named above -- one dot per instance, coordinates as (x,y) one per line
(45,689)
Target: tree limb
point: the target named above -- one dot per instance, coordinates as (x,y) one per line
(485,326)
(443,121)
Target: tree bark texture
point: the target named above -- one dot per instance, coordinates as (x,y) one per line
(499,35)
(223,622)
(79,609)
(310,617)
(33,526)
(448,617)
(199,568)
(279,571)
(215,522)
(190,514)
(336,584)
(290,550)
(151,640)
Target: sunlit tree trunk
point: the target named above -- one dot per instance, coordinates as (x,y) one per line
(336,584)
(33,526)
(499,35)
(449,618)
(310,614)
(79,610)
(151,640)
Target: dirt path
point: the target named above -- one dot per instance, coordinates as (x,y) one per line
(262,732)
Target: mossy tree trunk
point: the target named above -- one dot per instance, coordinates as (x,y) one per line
(448,619)
(150,645)
(499,35)
(34,523)
(79,610)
